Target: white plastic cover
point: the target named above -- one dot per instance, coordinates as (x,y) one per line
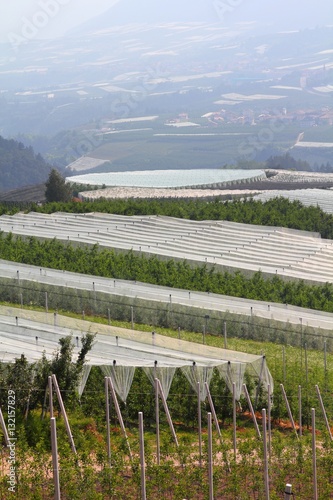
(165,376)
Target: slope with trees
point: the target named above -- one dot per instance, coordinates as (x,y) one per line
(20,166)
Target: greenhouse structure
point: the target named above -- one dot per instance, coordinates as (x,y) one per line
(176,179)
(118,352)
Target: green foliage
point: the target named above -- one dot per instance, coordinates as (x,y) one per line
(276,212)
(56,188)
(129,266)
(19,166)
(29,381)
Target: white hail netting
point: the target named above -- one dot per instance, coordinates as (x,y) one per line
(164,375)
(233,373)
(34,333)
(202,374)
(83,379)
(122,378)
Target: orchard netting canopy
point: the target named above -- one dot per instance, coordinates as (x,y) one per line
(273,250)
(195,178)
(118,352)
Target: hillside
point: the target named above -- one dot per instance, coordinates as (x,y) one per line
(20,166)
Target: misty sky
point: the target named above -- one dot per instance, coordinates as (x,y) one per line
(70,14)
(67,14)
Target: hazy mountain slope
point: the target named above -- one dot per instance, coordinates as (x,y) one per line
(19,166)
(281,15)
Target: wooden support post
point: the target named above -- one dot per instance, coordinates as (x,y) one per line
(55,462)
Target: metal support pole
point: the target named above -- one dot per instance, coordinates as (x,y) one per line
(248,399)
(64,414)
(284,363)
(300,411)
(314,458)
(109,317)
(132,317)
(46,303)
(142,457)
(107,408)
(269,422)
(210,457)
(264,433)
(55,462)
(199,424)
(4,428)
(50,396)
(234,415)
(259,382)
(288,492)
(225,334)
(325,363)
(157,416)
